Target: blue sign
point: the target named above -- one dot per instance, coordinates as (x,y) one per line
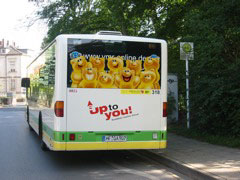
(74,54)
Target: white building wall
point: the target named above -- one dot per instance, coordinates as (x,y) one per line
(2,75)
(14,73)
(2,66)
(13,67)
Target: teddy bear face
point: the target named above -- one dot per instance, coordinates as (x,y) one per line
(135,65)
(115,63)
(105,79)
(127,75)
(152,62)
(98,63)
(148,77)
(78,63)
(89,74)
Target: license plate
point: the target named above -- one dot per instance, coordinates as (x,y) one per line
(114,138)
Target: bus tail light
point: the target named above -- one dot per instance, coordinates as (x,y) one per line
(164,109)
(72,137)
(59,108)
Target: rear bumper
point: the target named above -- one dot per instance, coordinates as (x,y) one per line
(109,145)
(82,146)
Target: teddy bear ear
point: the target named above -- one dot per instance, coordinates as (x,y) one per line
(89,65)
(120,57)
(148,58)
(91,58)
(72,61)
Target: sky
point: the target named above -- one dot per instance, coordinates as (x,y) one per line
(13,24)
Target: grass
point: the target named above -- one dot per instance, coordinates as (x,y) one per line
(232,142)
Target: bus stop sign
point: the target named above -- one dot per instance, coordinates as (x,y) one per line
(186,50)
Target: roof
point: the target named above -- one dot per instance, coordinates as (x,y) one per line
(23,50)
(110,37)
(14,51)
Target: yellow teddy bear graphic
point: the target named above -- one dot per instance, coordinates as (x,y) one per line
(127,79)
(98,63)
(89,75)
(77,65)
(135,65)
(153,62)
(147,79)
(105,80)
(115,65)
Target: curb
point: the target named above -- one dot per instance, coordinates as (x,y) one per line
(181,167)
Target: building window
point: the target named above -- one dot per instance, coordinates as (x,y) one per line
(12,66)
(13,84)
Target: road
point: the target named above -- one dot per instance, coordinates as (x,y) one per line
(22,158)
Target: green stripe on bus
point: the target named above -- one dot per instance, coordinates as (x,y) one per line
(97,136)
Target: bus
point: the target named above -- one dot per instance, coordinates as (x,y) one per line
(102,91)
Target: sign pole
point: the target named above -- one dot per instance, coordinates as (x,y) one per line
(187,93)
(186,53)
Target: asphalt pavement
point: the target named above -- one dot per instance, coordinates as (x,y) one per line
(22,158)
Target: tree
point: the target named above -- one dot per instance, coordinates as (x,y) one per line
(215,90)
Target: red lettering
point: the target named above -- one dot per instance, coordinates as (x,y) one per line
(96,111)
(103,109)
(123,113)
(116,113)
(130,109)
(108,115)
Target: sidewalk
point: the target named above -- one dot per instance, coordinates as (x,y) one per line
(216,162)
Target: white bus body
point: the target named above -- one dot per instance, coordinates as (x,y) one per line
(71,113)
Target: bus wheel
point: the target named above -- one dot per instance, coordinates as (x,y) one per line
(44,146)
(30,127)
(40,133)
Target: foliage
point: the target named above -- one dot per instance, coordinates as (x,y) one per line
(215,88)
(213,26)
(228,141)
(131,17)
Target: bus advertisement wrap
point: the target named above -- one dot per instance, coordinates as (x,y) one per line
(113,64)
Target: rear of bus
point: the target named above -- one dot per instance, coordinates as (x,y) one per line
(111,91)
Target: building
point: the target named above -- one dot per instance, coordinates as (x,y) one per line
(13,63)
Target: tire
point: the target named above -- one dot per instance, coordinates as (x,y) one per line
(44,146)
(27,114)
(40,133)
(40,129)
(30,127)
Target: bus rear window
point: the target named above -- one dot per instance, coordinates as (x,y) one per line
(113,64)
